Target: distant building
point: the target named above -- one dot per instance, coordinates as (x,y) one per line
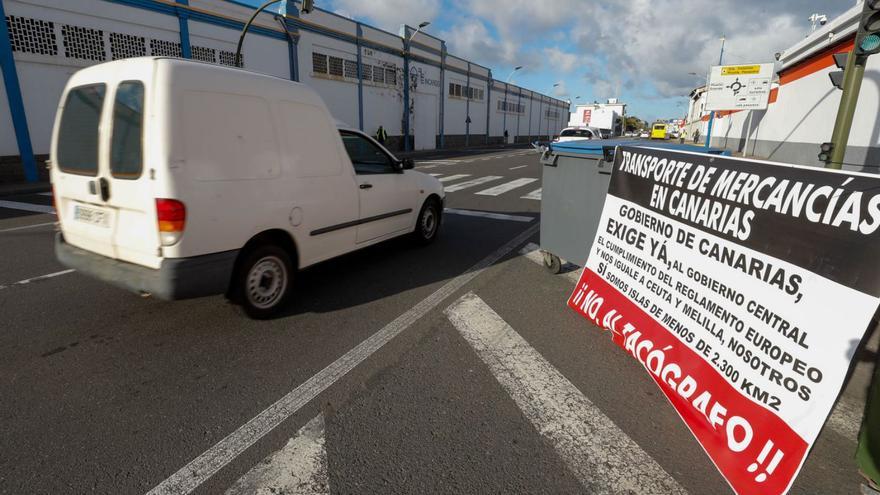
(607,116)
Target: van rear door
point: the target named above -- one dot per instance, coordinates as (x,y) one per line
(103,193)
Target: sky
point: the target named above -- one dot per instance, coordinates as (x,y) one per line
(640,51)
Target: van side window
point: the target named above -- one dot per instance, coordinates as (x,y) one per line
(78,130)
(126,149)
(366,157)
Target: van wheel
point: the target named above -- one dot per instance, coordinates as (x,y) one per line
(264,281)
(428,222)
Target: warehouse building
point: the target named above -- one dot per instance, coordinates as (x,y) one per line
(443,102)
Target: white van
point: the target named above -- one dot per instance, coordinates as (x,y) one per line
(182,179)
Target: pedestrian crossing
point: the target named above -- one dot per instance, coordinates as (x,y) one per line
(461,182)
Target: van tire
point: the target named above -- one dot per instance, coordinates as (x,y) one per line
(428,222)
(264,281)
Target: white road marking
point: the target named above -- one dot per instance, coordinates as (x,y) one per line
(514,168)
(298,468)
(472,183)
(45,194)
(536,194)
(507,186)
(845,418)
(12,229)
(35,279)
(435,175)
(17,205)
(602,457)
(487,214)
(454,177)
(189,477)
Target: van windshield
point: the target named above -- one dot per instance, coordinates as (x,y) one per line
(78,131)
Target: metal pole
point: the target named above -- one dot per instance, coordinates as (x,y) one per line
(748,132)
(852,83)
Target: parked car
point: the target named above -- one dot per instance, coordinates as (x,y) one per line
(606,133)
(578,133)
(182,179)
(645,135)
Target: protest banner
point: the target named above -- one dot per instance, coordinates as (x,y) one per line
(744,288)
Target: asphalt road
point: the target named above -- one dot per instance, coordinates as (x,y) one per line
(385,375)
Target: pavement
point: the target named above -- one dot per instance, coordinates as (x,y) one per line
(454,368)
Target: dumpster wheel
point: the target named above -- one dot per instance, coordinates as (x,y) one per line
(552,263)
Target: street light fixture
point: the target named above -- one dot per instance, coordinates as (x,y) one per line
(518,67)
(414,33)
(406,110)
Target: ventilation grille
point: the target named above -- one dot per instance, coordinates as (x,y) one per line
(31,35)
(204,54)
(162,48)
(127,46)
(83,43)
(228,58)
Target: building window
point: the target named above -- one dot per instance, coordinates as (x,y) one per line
(368,72)
(351,69)
(335,66)
(319,63)
(378,74)
(391,76)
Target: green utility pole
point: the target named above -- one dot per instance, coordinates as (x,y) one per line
(867,43)
(852,83)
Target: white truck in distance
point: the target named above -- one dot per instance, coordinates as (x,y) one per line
(183,179)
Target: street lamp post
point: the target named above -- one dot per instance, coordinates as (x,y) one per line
(504,113)
(407,41)
(245,29)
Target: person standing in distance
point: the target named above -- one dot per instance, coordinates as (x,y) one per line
(381,135)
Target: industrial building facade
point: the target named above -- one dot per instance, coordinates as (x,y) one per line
(368,77)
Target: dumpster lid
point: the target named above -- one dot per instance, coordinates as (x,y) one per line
(595,146)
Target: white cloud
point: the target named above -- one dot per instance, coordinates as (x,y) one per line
(390,14)
(643,48)
(560,60)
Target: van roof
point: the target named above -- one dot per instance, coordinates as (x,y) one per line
(182,61)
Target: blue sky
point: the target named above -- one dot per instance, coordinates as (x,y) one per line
(641,51)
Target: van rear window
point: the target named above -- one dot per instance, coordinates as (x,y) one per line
(78,133)
(126,154)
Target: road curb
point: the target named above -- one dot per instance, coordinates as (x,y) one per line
(24,188)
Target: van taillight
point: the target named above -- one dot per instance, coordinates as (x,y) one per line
(171,217)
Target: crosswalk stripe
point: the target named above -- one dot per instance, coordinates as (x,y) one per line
(435,175)
(454,177)
(507,186)
(536,194)
(472,183)
(298,468)
(17,205)
(488,214)
(601,455)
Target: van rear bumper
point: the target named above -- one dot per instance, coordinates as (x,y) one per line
(176,278)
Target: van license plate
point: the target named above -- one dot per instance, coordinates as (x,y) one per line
(91,216)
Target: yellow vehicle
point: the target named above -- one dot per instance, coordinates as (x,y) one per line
(658,131)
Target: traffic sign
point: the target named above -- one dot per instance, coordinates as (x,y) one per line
(739,87)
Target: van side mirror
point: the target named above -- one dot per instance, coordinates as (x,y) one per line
(408,164)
